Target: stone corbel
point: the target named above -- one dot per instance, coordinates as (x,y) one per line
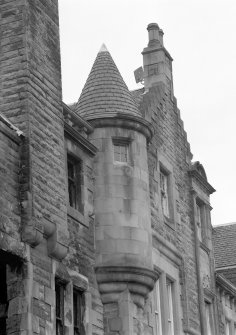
(55,248)
(31,229)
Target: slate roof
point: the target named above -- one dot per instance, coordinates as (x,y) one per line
(105,93)
(224,241)
(138,95)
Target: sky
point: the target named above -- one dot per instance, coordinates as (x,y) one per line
(200,35)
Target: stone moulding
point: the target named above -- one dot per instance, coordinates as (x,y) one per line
(78,138)
(126,121)
(224,284)
(34,230)
(202,181)
(112,280)
(166,248)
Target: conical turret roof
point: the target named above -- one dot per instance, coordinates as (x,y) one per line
(105,93)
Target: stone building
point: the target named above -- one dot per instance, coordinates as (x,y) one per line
(104,219)
(225,264)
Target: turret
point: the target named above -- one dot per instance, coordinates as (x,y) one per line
(157,61)
(122,209)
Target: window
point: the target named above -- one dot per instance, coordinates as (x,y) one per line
(74,169)
(199,222)
(164,193)
(234,329)
(78,312)
(121,152)
(209,319)
(60,292)
(166,306)
(3,300)
(227,327)
(157,301)
(170,316)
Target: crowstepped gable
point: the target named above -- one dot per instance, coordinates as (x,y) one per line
(105,222)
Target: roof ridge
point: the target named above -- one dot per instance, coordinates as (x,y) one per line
(225,224)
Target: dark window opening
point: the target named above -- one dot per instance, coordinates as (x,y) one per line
(78,312)
(3,299)
(60,291)
(164,181)
(74,168)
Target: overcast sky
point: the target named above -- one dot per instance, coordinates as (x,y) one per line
(201,37)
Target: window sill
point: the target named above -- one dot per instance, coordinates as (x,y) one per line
(77,216)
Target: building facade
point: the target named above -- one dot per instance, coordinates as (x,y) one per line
(105,222)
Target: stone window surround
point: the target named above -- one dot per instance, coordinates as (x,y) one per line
(164,190)
(205,212)
(72,212)
(71,281)
(229,306)
(165,167)
(75,180)
(209,299)
(122,141)
(168,272)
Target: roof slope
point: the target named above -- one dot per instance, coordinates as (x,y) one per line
(138,95)
(105,93)
(224,241)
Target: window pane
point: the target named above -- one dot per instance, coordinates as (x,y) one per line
(59,288)
(70,170)
(120,152)
(169,288)
(164,194)
(78,311)
(117,156)
(74,168)
(208,318)
(227,327)
(116,148)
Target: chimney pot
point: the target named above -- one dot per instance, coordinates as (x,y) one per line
(155,34)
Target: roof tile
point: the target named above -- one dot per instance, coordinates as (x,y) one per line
(224,237)
(105,93)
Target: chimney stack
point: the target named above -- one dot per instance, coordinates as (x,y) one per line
(31,98)
(157,61)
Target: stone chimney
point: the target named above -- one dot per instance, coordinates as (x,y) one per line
(157,61)
(31,98)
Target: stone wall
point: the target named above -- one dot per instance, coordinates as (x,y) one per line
(169,149)
(30,89)
(10,219)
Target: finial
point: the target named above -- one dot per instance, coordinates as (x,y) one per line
(103,48)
